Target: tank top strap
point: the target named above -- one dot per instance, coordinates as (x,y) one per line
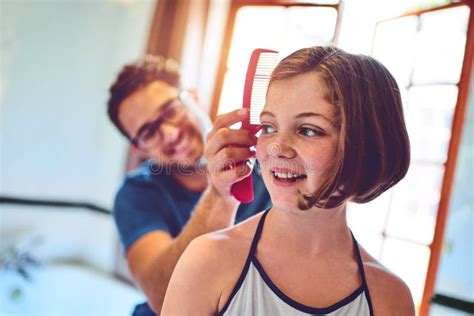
(359,260)
(243,274)
(258,233)
(362,273)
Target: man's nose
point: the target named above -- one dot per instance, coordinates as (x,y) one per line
(169,133)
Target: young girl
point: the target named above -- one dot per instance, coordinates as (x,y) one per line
(332,132)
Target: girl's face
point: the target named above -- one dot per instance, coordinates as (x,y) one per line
(299,138)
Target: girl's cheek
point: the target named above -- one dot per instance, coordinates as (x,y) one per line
(261,150)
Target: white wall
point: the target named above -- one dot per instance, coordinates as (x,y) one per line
(58,59)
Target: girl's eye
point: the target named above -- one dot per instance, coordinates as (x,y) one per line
(266,129)
(306,131)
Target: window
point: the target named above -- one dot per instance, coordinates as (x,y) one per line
(280,26)
(425,52)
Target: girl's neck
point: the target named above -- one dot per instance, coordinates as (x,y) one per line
(314,231)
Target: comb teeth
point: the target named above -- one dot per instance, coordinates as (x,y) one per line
(267,61)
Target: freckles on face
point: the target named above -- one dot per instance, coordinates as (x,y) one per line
(299,137)
(264,148)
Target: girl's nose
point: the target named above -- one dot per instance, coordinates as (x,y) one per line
(281,148)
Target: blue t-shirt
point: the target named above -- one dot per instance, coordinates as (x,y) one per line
(151,199)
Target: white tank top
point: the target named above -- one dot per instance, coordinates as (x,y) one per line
(256,294)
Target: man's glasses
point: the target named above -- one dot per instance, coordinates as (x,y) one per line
(169,112)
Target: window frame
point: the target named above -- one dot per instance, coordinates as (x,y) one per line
(459,116)
(229,32)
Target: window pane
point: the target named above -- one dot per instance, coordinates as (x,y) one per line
(232,91)
(456,274)
(255,27)
(446,21)
(309,26)
(393,46)
(439,310)
(371,241)
(279,28)
(414,204)
(404,97)
(369,216)
(429,118)
(440,46)
(273,27)
(410,262)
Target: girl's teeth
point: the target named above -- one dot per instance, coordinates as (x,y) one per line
(285,175)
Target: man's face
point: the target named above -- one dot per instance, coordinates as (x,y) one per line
(161,126)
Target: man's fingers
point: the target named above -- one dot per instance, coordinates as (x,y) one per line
(226,137)
(240,172)
(230,157)
(229,177)
(228,119)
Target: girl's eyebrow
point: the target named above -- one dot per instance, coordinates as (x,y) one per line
(301,115)
(267,113)
(311,114)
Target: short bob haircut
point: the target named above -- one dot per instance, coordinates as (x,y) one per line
(135,76)
(373,153)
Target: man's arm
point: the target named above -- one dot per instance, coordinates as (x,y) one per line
(152,258)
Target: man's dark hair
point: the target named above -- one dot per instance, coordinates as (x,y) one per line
(135,76)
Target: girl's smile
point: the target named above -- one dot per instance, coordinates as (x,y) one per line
(299,138)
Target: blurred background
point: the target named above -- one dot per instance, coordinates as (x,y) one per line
(62,160)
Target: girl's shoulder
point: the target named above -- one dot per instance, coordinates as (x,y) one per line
(228,241)
(389,293)
(209,268)
(226,252)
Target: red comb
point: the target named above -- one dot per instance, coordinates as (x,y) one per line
(262,62)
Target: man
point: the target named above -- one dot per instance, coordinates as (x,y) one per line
(167,202)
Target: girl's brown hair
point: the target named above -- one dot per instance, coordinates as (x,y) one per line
(374,151)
